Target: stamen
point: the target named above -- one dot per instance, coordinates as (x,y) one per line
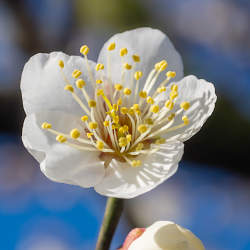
(171,74)
(77,99)
(150,100)
(61,64)
(127,66)
(142,128)
(185,105)
(92,103)
(169,104)
(123,51)
(46,125)
(106,123)
(99,66)
(154,109)
(75,133)
(127,91)
(136,58)
(84,50)
(61,138)
(84,118)
(98,81)
(101,93)
(76,73)
(100,145)
(111,46)
(80,83)
(93,125)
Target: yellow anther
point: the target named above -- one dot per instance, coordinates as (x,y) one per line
(111,46)
(46,125)
(136,58)
(93,125)
(76,73)
(99,66)
(89,135)
(121,130)
(150,100)
(100,145)
(114,126)
(129,138)
(169,104)
(80,83)
(69,88)
(162,65)
(123,51)
(118,87)
(61,64)
(100,92)
(135,163)
(84,50)
(106,123)
(143,94)
(115,107)
(127,91)
(127,66)
(149,121)
(137,75)
(171,74)
(171,117)
(131,111)
(161,89)
(98,81)
(185,105)
(75,133)
(84,118)
(136,106)
(160,141)
(185,120)
(139,146)
(92,103)
(142,128)
(124,110)
(173,94)
(123,142)
(116,119)
(125,127)
(119,102)
(61,138)
(155,109)
(174,87)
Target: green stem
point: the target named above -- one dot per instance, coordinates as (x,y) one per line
(111,218)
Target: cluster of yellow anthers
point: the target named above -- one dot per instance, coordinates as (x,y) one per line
(127,122)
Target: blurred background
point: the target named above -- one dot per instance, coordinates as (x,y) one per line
(209,194)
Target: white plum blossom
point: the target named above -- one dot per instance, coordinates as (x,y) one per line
(117,125)
(163,235)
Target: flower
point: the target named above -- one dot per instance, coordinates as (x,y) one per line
(162,235)
(117,125)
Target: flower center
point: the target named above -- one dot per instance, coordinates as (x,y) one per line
(123,123)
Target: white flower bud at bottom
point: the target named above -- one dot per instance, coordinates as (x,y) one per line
(166,235)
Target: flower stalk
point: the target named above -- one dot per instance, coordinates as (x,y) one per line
(111,218)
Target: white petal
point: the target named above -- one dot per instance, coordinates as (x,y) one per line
(150,44)
(201,96)
(42,83)
(166,235)
(60,162)
(123,181)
